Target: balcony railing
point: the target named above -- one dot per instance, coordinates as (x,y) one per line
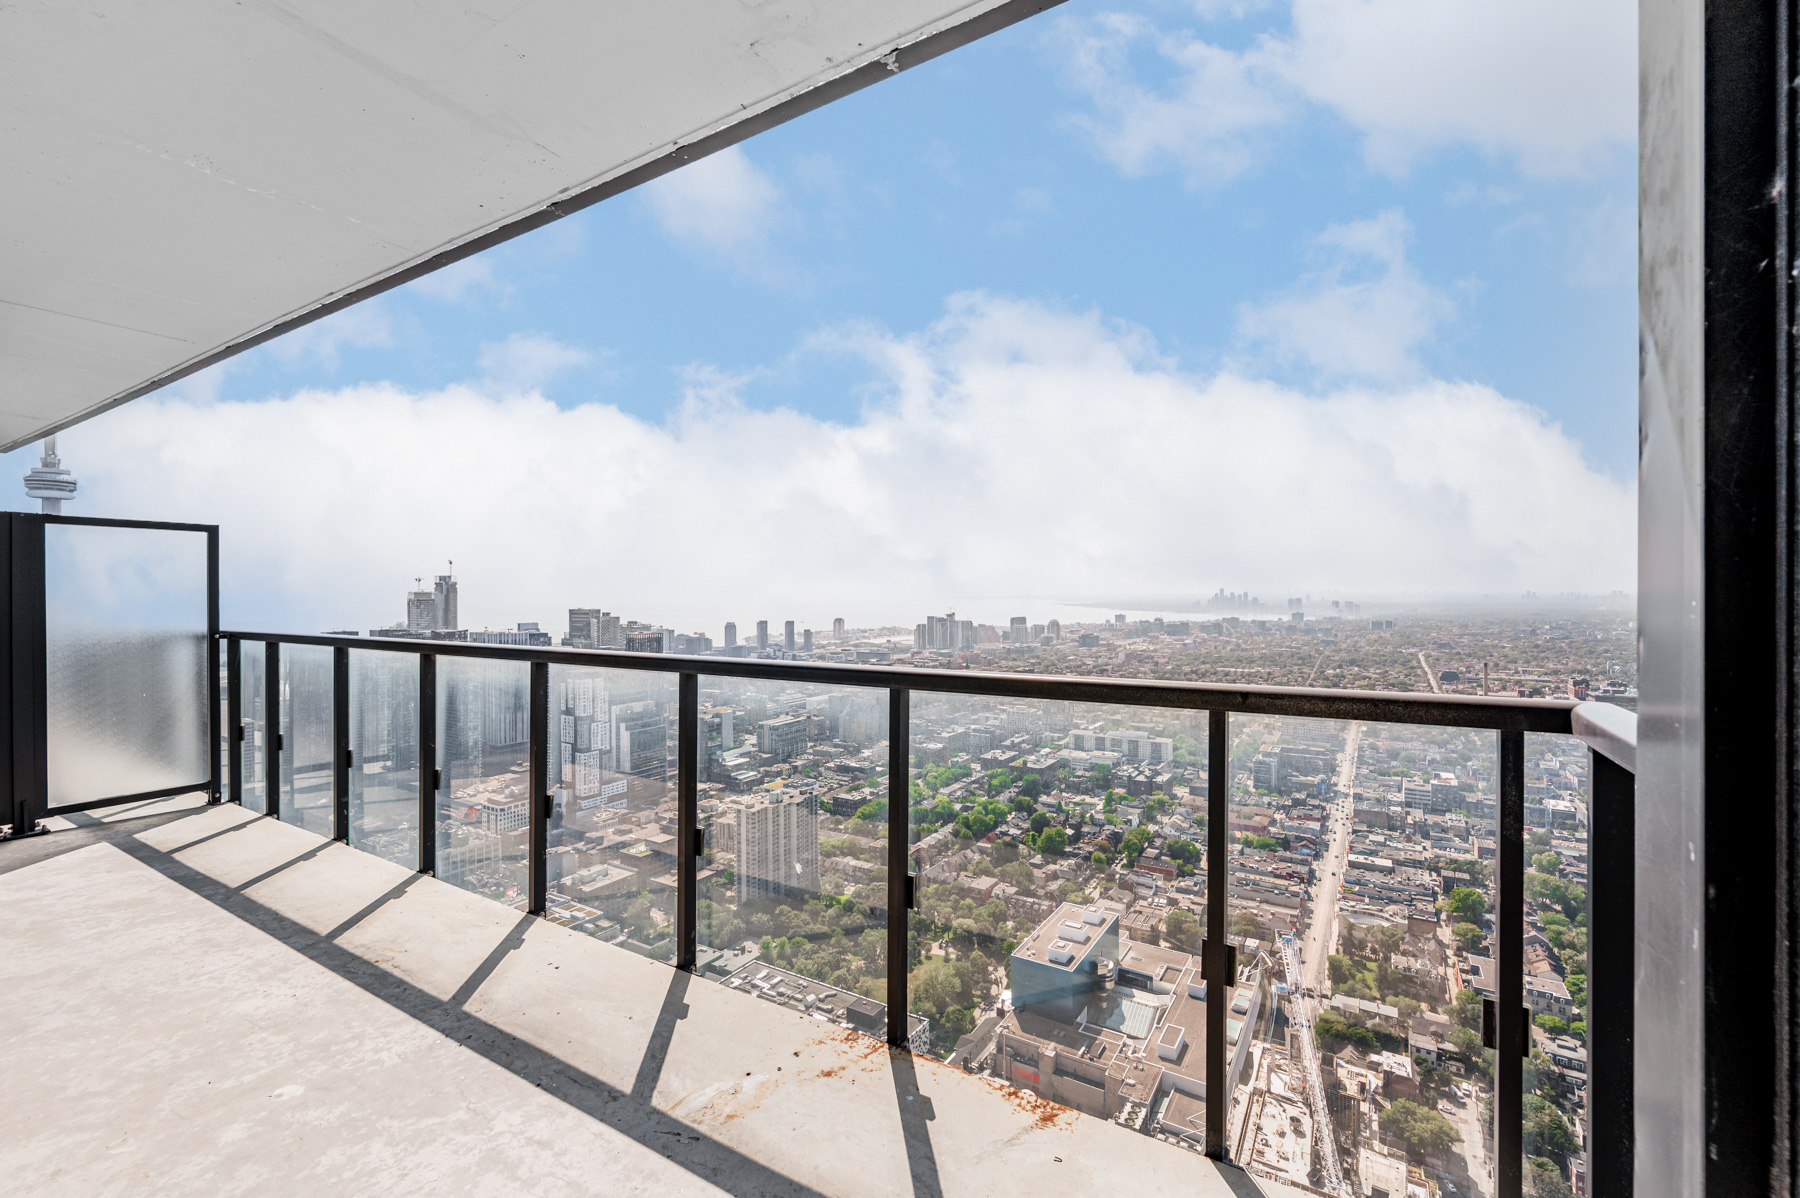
(491,765)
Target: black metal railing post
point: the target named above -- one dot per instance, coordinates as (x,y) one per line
(1514,1036)
(234,719)
(900,882)
(340,744)
(215,783)
(687,821)
(29,777)
(428,766)
(1214,953)
(539,821)
(272,742)
(1612,878)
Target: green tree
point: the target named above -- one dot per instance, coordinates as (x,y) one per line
(1386,939)
(1341,969)
(1543,1178)
(1054,840)
(1546,863)
(1335,1033)
(1099,860)
(1040,821)
(1182,931)
(1469,936)
(1136,841)
(1467,902)
(1425,1131)
(1467,1042)
(872,811)
(1552,1025)
(1546,1131)
(1466,1009)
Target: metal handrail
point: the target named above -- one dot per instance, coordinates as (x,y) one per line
(1381,707)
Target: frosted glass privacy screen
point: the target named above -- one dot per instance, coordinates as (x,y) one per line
(125,661)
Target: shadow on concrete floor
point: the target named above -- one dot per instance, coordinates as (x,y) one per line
(701,1155)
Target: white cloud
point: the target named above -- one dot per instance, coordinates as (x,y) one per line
(1551,82)
(526,361)
(1548,83)
(1018,453)
(1360,317)
(723,205)
(1202,125)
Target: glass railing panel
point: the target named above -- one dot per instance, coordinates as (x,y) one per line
(384,755)
(306,737)
(612,862)
(483,799)
(1553,1103)
(1061,881)
(251,685)
(792,900)
(1361,904)
(125,662)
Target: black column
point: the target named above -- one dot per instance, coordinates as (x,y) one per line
(900,883)
(428,766)
(340,744)
(1611,964)
(1509,966)
(272,740)
(234,719)
(215,787)
(687,821)
(1215,952)
(538,869)
(28,777)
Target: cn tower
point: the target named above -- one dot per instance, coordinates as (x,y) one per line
(49,481)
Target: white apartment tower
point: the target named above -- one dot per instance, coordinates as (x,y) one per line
(777,846)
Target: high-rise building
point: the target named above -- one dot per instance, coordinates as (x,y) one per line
(784,737)
(762,634)
(944,632)
(591,628)
(730,635)
(421,611)
(837,629)
(777,846)
(640,740)
(806,640)
(787,637)
(584,727)
(1020,631)
(445,594)
(1054,628)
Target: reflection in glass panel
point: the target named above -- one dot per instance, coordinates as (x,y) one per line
(306,737)
(1061,892)
(125,644)
(253,694)
(384,755)
(1361,886)
(1554,1103)
(483,803)
(612,836)
(793,805)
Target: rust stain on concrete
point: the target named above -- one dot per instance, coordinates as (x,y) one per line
(1043,1113)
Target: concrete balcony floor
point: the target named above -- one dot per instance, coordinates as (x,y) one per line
(203,1001)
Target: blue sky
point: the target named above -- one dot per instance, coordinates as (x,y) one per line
(1345,215)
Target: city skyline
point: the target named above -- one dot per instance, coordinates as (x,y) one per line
(1168,311)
